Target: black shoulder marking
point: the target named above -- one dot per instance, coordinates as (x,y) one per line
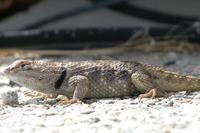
(61,78)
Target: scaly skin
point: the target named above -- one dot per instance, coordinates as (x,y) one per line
(98,79)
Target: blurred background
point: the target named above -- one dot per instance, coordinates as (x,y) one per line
(100,17)
(85,24)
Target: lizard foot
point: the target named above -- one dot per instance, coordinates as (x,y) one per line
(150,94)
(155,93)
(65,100)
(143,82)
(71,101)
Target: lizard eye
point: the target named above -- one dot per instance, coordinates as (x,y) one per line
(24,66)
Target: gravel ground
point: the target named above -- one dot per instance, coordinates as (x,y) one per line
(177,113)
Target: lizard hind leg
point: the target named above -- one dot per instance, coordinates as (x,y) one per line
(144,84)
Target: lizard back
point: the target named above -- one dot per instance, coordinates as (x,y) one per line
(107,78)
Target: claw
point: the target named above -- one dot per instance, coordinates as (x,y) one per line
(65,100)
(150,94)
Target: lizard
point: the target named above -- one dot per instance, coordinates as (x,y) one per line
(78,80)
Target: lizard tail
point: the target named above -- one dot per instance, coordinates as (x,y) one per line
(173,82)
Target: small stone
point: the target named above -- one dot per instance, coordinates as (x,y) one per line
(51,101)
(62,98)
(171,103)
(9,98)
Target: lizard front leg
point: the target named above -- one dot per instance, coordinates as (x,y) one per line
(144,84)
(78,86)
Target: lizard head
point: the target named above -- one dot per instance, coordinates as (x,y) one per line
(36,75)
(17,71)
(17,66)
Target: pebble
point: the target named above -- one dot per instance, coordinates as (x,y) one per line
(171,103)
(51,101)
(9,98)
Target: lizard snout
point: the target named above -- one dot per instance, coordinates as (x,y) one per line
(7,69)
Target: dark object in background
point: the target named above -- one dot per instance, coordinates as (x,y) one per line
(27,38)
(10,7)
(72,13)
(149,14)
(82,38)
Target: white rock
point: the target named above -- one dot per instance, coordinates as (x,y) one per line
(9,97)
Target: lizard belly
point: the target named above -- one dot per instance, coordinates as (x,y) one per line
(109,88)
